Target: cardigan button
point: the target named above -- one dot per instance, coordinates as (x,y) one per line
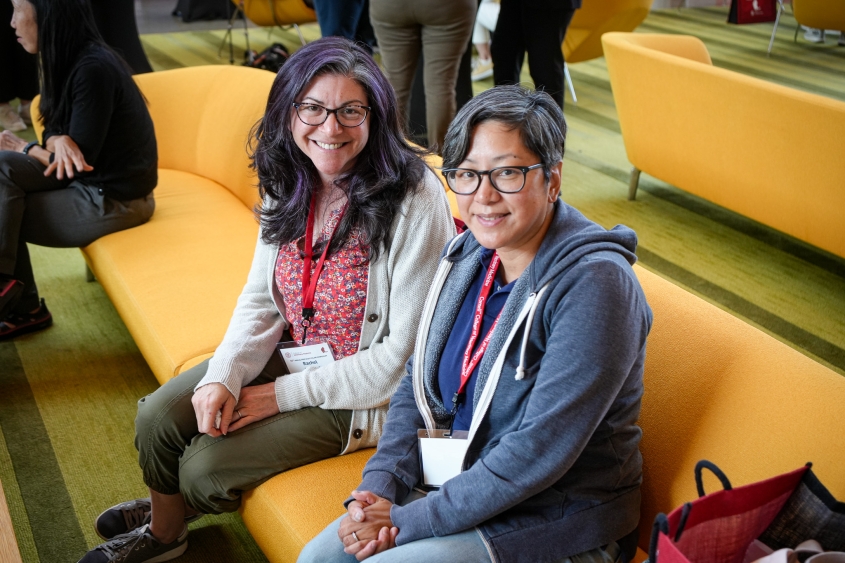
(372,318)
(357,433)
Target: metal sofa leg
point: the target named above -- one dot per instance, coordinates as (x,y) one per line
(89,275)
(299,32)
(775,28)
(633,183)
(569,83)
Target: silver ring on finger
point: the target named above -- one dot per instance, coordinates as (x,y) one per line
(355,537)
(239,413)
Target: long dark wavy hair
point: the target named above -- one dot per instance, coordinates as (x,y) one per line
(66,32)
(386,170)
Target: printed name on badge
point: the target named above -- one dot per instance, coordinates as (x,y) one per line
(298,358)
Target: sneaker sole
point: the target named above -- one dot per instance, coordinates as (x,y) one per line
(482,76)
(35,327)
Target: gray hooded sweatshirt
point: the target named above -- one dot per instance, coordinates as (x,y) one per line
(553,466)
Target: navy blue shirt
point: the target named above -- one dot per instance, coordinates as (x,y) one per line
(449,370)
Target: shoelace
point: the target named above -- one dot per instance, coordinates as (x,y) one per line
(135,517)
(121,546)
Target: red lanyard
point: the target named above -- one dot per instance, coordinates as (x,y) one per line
(471,360)
(309,282)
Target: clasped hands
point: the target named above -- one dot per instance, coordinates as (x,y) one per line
(368,518)
(256,402)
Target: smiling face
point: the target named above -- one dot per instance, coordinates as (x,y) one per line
(332,148)
(26,28)
(513,224)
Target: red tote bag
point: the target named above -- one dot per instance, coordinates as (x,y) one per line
(752,11)
(781,512)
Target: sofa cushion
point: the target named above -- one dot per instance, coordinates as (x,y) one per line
(287,511)
(175,280)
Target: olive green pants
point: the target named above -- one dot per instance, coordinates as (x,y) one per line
(211,473)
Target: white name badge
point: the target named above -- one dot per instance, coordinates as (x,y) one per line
(298,357)
(441,456)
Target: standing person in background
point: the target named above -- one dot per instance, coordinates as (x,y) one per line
(535,27)
(485,22)
(440,29)
(18,75)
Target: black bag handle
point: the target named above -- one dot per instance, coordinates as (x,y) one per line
(699,484)
(661,524)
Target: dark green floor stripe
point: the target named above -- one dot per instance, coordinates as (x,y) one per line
(58,537)
(749,227)
(579,112)
(160,57)
(786,330)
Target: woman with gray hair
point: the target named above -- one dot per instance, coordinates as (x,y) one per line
(513,436)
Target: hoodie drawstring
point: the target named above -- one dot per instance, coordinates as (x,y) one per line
(520,369)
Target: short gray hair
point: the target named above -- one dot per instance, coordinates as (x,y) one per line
(534,114)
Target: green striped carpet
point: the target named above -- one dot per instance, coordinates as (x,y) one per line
(67,395)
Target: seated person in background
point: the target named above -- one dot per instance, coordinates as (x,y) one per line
(352,225)
(531,351)
(96,171)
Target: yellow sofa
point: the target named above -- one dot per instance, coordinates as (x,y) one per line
(765,151)
(715,388)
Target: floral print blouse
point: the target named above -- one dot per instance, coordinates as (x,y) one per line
(341,295)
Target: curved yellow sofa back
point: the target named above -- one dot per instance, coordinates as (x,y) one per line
(277,12)
(820,14)
(760,149)
(205,133)
(595,18)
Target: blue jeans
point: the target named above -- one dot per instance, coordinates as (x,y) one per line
(466,547)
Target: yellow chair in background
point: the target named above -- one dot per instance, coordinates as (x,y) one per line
(591,21)
(269,13)
(817,14)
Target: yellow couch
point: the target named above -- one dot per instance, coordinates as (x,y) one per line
(765,151)
(715,388)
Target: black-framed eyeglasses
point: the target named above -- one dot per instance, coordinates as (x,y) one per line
(315,114)
(506,179)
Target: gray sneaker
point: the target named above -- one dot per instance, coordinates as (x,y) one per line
(138,546)
(127,516)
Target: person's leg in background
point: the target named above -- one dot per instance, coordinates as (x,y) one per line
(20,176)
(543,32)
(48,212)
(508,48)
(485,22)
(447,27)
(339,17)
(18,75)
(400,43)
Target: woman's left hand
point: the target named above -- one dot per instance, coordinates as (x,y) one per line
(257,402)
(11,142)
(67,157)
(369,518)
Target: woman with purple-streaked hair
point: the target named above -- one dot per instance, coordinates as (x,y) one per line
(352,225)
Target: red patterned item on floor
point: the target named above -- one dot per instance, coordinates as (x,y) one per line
(752,11)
